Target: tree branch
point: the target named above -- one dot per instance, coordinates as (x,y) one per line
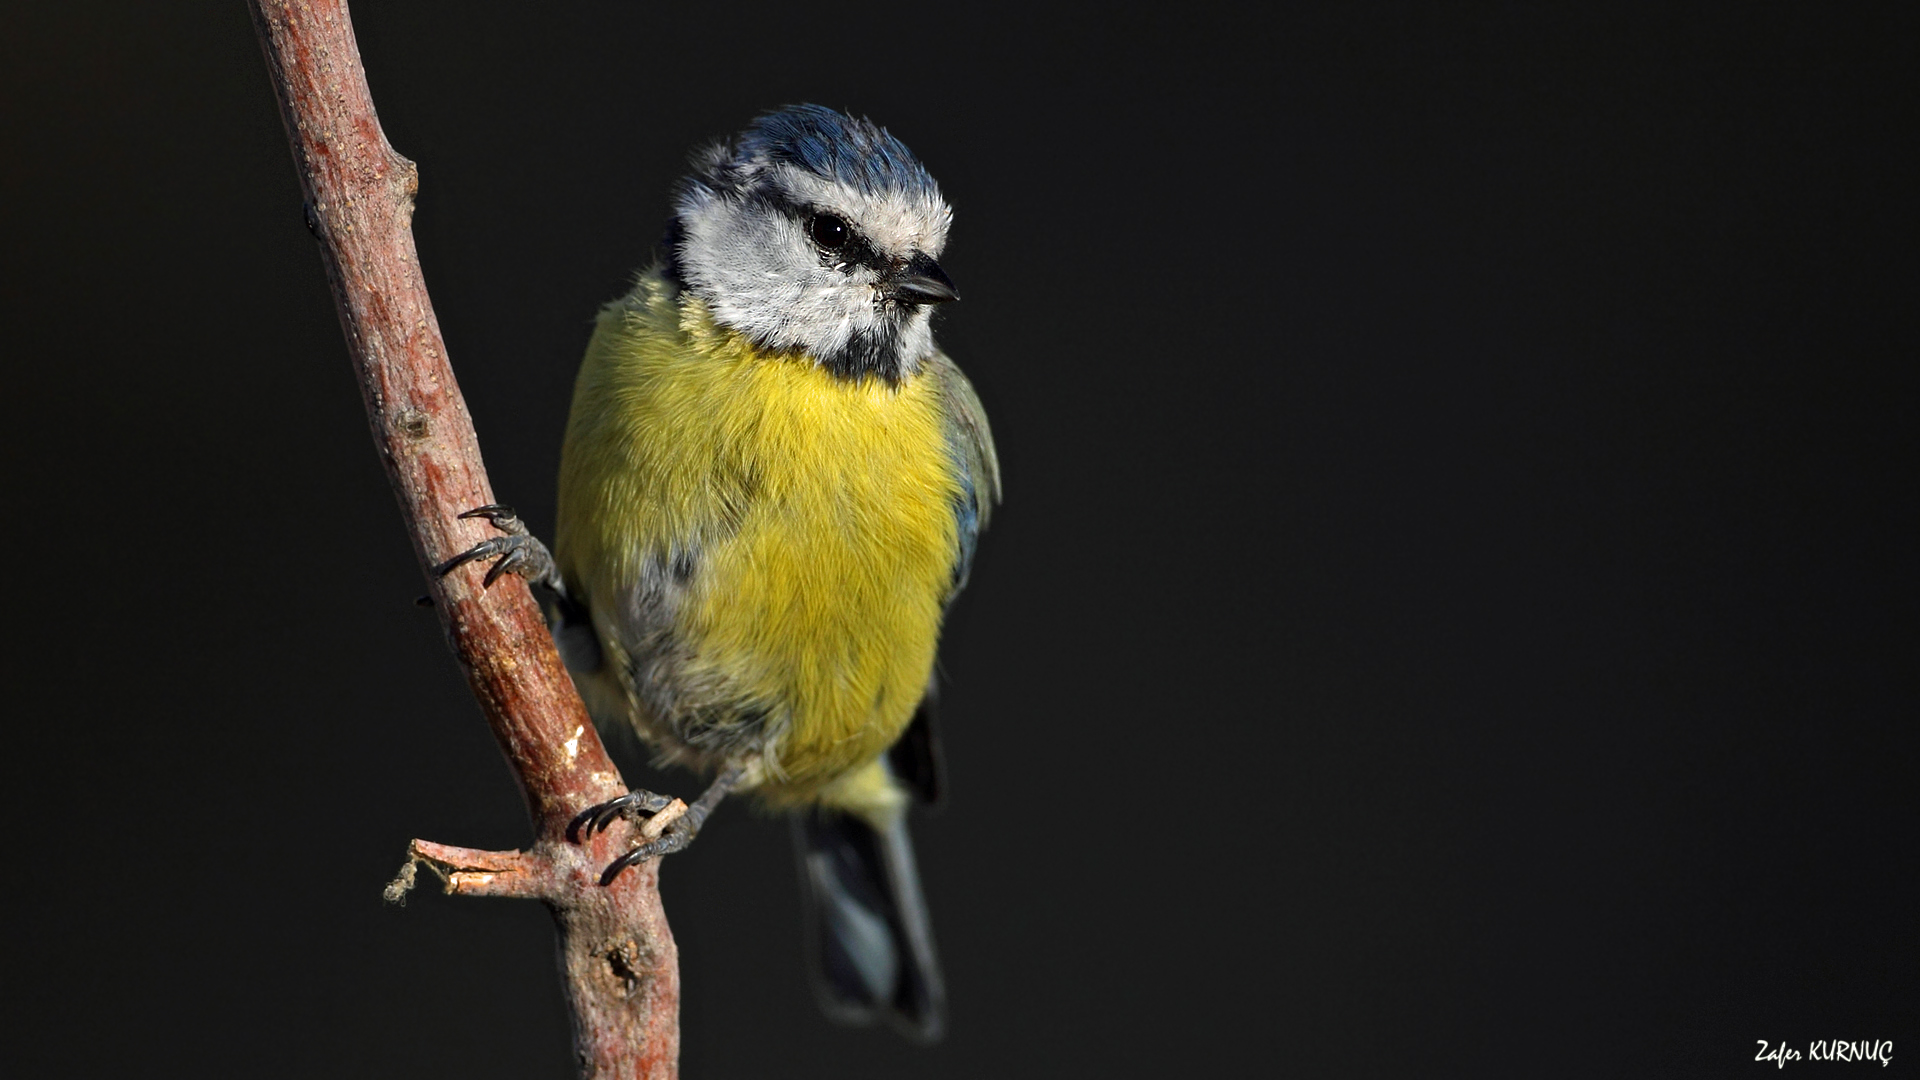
(617,956)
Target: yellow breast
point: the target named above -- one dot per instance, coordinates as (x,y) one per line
(820,511)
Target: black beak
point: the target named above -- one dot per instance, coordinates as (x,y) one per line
(921,281)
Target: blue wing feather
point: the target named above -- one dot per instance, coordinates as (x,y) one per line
(970,442)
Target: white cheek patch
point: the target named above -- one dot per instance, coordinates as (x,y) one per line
(757,273)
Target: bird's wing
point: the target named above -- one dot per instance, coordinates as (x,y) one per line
(914,760)
(972,446)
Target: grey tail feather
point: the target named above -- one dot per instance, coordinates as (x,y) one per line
(868,938)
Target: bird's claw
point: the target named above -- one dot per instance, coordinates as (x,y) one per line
(518,552)
(510,550)
(501,515)
(633,806)
(671,824)
(677,836)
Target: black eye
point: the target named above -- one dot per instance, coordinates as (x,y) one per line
(830,231)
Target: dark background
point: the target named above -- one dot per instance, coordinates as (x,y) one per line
(1454,608)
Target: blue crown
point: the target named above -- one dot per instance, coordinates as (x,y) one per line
(855,151)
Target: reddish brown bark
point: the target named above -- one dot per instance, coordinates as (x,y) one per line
(617,956)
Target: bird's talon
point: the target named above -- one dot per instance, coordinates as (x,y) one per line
(478,551)
(573,827)
(514,557)
(491,511)
(602,819)
(677,836)
(633,806)
(613,870)
(518,552)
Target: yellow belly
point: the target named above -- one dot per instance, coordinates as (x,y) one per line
(820,512)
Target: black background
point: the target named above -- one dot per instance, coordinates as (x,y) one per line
(1453,609)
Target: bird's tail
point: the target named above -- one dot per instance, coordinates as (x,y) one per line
(868,937)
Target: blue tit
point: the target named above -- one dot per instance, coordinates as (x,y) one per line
(770,491)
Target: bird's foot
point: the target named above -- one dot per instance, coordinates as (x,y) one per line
(669,825)
(666,826)
(518,552)
(635,806)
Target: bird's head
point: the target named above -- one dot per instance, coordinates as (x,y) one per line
(816,232)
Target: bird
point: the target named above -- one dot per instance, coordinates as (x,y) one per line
(771,488)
